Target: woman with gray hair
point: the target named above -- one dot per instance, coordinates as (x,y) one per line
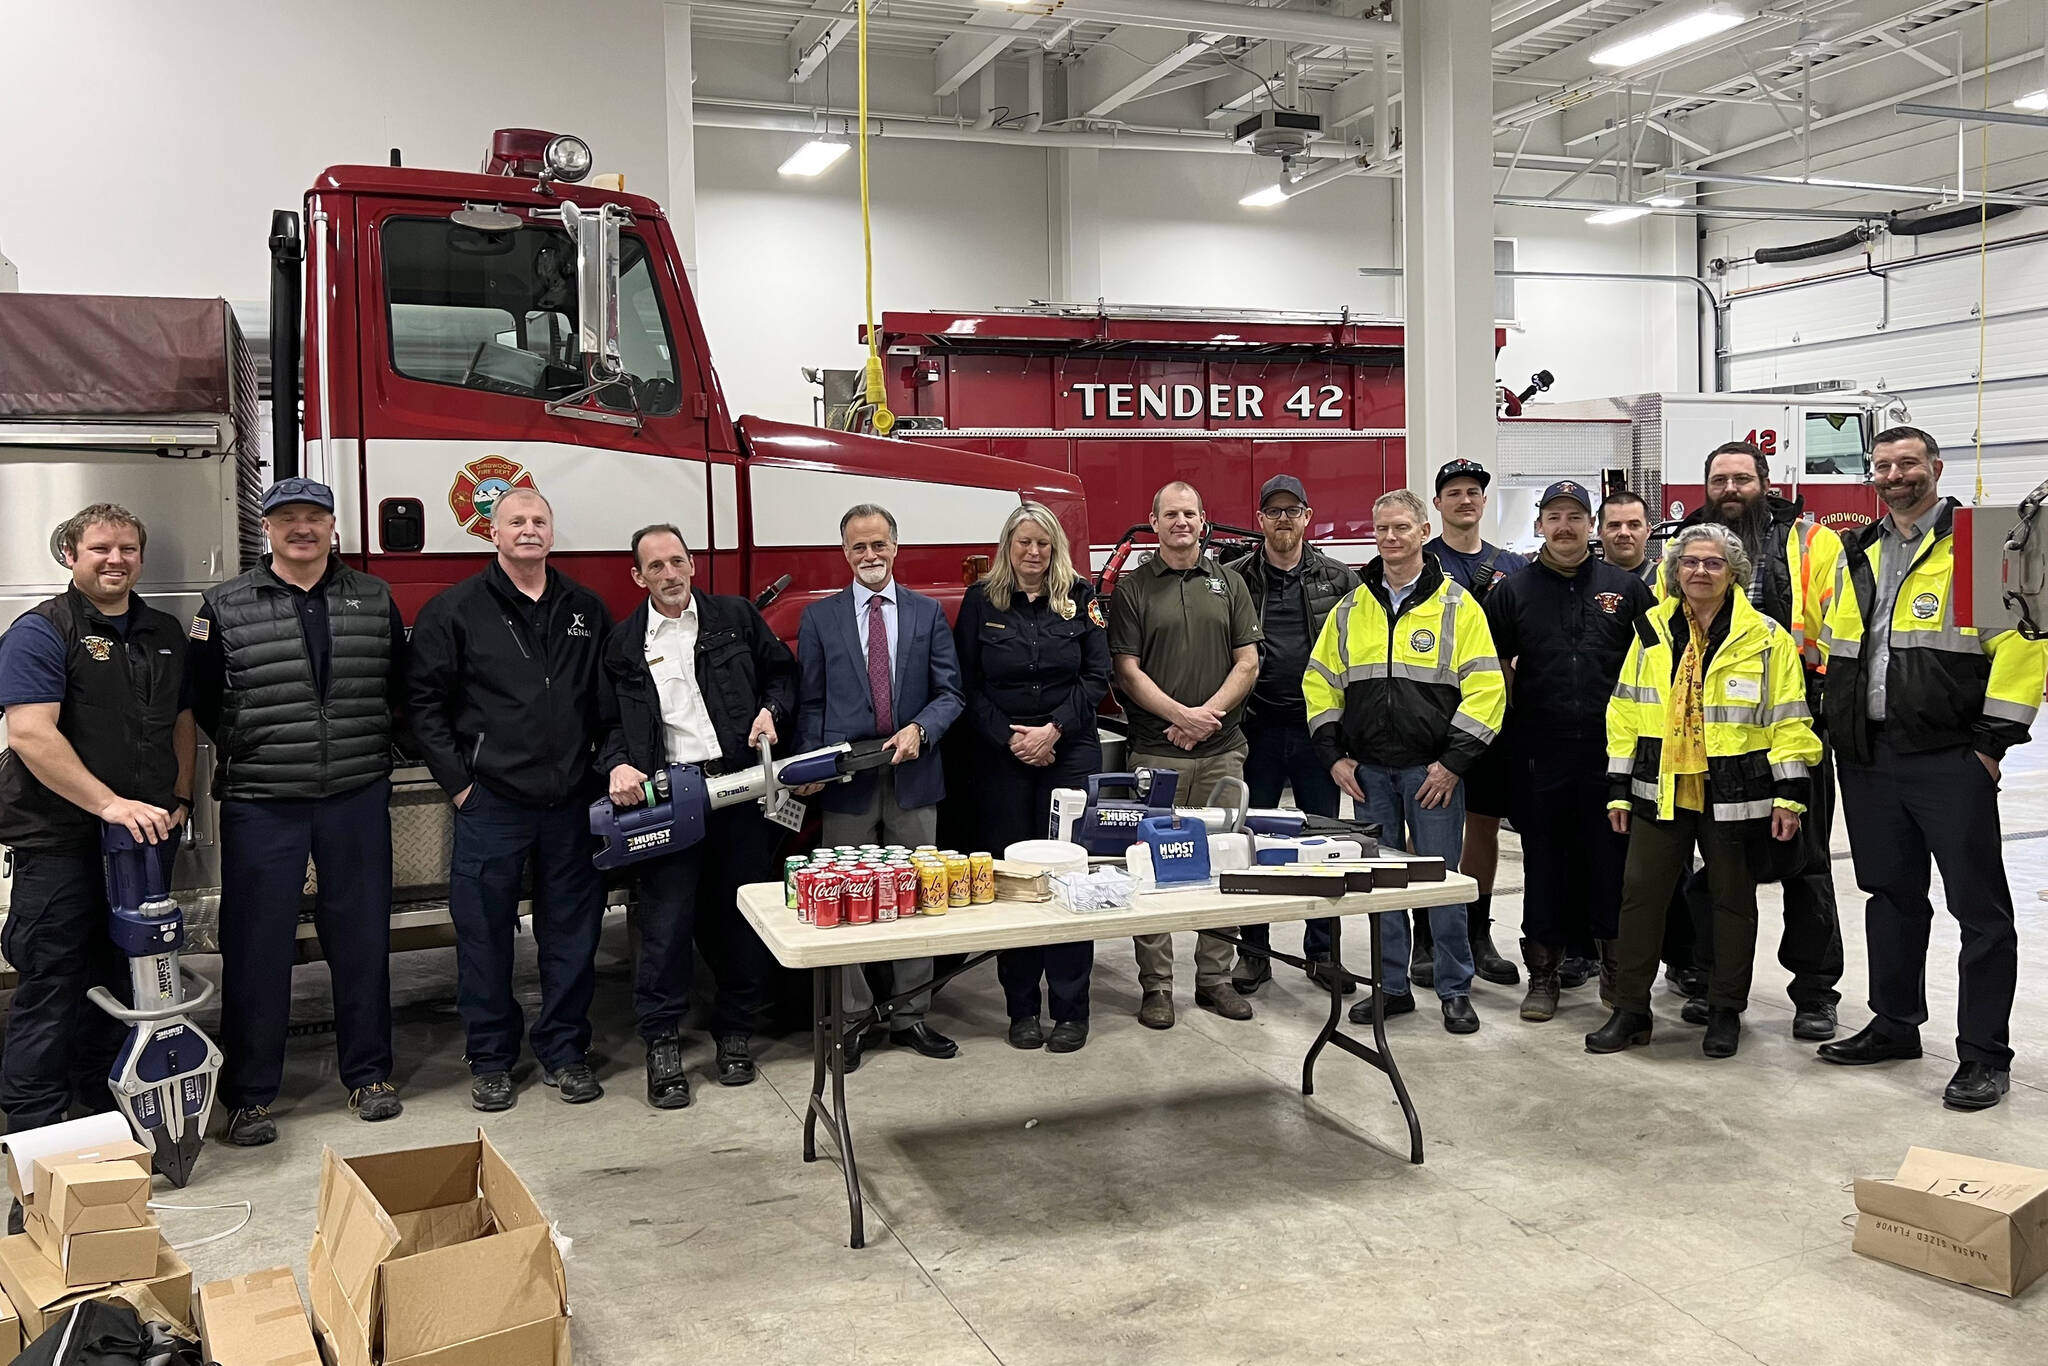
(1708,744)
(1034,664)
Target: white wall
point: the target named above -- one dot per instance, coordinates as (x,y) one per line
(164,134)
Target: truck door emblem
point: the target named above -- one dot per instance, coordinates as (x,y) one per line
(478,487)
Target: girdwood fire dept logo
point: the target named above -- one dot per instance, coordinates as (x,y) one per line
(99,647)
(478,487)
(1610,603)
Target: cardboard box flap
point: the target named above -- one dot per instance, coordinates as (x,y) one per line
(443,1226)
(340,1325)
(529,1344)
(512,1204)
(419,1178)
(505,1280)
(356,1231)
(1997,1186)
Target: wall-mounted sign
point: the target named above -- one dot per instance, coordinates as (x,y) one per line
(1208,402)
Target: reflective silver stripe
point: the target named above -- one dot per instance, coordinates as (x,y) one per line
(1447,637)
(1647,791)
(1786,772)
(1742,811)
(1344,609)
(1359,672)
(1949,638)
(1630,692)
(1794,710)
(2000,710)
(1479,664)
(1842,649)
(1327,674)
(1472,727)
(1417,673)
(1621,765)
(1318,720)
(1733,716)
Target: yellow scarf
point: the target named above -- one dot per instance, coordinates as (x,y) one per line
(1685,722)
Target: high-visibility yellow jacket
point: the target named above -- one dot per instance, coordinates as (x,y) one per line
(1416,686)
(1946,685)
(1798,566)
(1760,738)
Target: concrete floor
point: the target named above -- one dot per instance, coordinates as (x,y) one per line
(1172,1198)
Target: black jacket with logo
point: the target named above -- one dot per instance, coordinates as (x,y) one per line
(503,689)
(120,709)
(741,667)
(1566,636)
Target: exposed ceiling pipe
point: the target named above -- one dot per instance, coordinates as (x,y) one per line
(1790,182)
(1034,91)
(716,114)
(1738,211)
(1246,21)
(986,90)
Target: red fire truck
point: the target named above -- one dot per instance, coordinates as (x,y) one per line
(1127,399)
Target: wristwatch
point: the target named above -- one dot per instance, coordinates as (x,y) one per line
(922,738)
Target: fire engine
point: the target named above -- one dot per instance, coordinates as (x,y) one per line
(460,334)
(1126,399)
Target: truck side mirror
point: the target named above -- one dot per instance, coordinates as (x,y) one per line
(596,234)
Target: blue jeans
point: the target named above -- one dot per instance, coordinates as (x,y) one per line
(495,838)
(1390,799)
(1280,756)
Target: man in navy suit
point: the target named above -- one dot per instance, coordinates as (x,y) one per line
(877,660)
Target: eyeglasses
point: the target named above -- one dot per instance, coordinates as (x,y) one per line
(1297,513)
(1712,564)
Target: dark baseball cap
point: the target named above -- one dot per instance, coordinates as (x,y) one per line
(1282,483)
(1566,488)
(1462,469)
(297,490)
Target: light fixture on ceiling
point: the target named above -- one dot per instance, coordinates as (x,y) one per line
(1620,213)
(1265,197)
(2033,100)
(1655,42)
(815,157)
(1666,201)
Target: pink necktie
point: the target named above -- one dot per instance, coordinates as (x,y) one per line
(878,667)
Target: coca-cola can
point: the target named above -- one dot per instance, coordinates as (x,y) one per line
(828,898)
(806,887)
(860,896)
(905,877)
(885,895)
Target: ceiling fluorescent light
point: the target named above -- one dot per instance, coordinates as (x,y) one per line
(815,157)
(1265,198)
(1667,37)
(2034,100)
(1666,201)
(1620,214)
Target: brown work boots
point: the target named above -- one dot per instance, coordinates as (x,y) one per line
(1541,1002)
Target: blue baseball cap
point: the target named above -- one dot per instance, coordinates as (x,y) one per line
(1567,488)
(297,490)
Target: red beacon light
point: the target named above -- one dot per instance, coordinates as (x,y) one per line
(534,152)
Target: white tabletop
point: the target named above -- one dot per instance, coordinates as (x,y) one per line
(1021,924)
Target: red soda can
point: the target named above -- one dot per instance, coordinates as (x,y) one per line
(860,895)
(906,889)
(828,898)
(806,887)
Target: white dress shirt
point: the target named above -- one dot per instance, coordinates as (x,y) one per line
(862,596)
(672,659)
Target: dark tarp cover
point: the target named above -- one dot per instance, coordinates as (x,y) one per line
(93,355)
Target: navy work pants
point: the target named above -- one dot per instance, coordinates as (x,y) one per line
(689,901)
(1015,803)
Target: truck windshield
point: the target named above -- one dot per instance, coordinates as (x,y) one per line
(497,311)
(1834,444)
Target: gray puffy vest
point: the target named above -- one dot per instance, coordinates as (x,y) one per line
(278,740)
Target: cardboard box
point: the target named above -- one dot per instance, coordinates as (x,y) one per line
(99,1258)
(1964,1219)
(256,1320)
(435,1255)
(36,1179)
(36,1287)
(10,1332)
(95,1197)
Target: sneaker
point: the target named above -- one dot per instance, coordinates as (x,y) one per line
(576,1083)
(376,1102)
(1224,1001)
(251,1127)
(490,1091)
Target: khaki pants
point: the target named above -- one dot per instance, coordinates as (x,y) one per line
(1155,951)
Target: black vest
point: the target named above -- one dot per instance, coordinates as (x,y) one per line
(278,739)
(120,707)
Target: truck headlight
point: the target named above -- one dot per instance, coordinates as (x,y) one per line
(568,158)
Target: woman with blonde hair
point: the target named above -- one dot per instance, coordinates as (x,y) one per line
(1034,664)
(1709,742)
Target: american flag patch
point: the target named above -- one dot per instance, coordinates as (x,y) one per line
(202,629)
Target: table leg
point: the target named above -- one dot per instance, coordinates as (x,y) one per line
(1333,981)
(1334,976)
(828,1043)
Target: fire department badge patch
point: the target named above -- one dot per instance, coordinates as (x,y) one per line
(1610,603)
(99,647)
(1925,606)
(478,487)
(1422,642)
(1095,611)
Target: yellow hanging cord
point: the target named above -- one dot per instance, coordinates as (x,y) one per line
(884,420)
(1983,257)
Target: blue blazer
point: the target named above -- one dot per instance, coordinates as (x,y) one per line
(833,702)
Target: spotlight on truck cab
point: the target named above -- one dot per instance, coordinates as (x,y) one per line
(534,152)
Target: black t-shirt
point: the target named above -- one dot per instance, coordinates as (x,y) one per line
(1276,697)
(1466,569)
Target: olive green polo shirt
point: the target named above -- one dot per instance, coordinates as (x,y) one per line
(1182,627)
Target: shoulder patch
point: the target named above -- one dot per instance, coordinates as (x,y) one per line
(202,629)
(1095,611)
